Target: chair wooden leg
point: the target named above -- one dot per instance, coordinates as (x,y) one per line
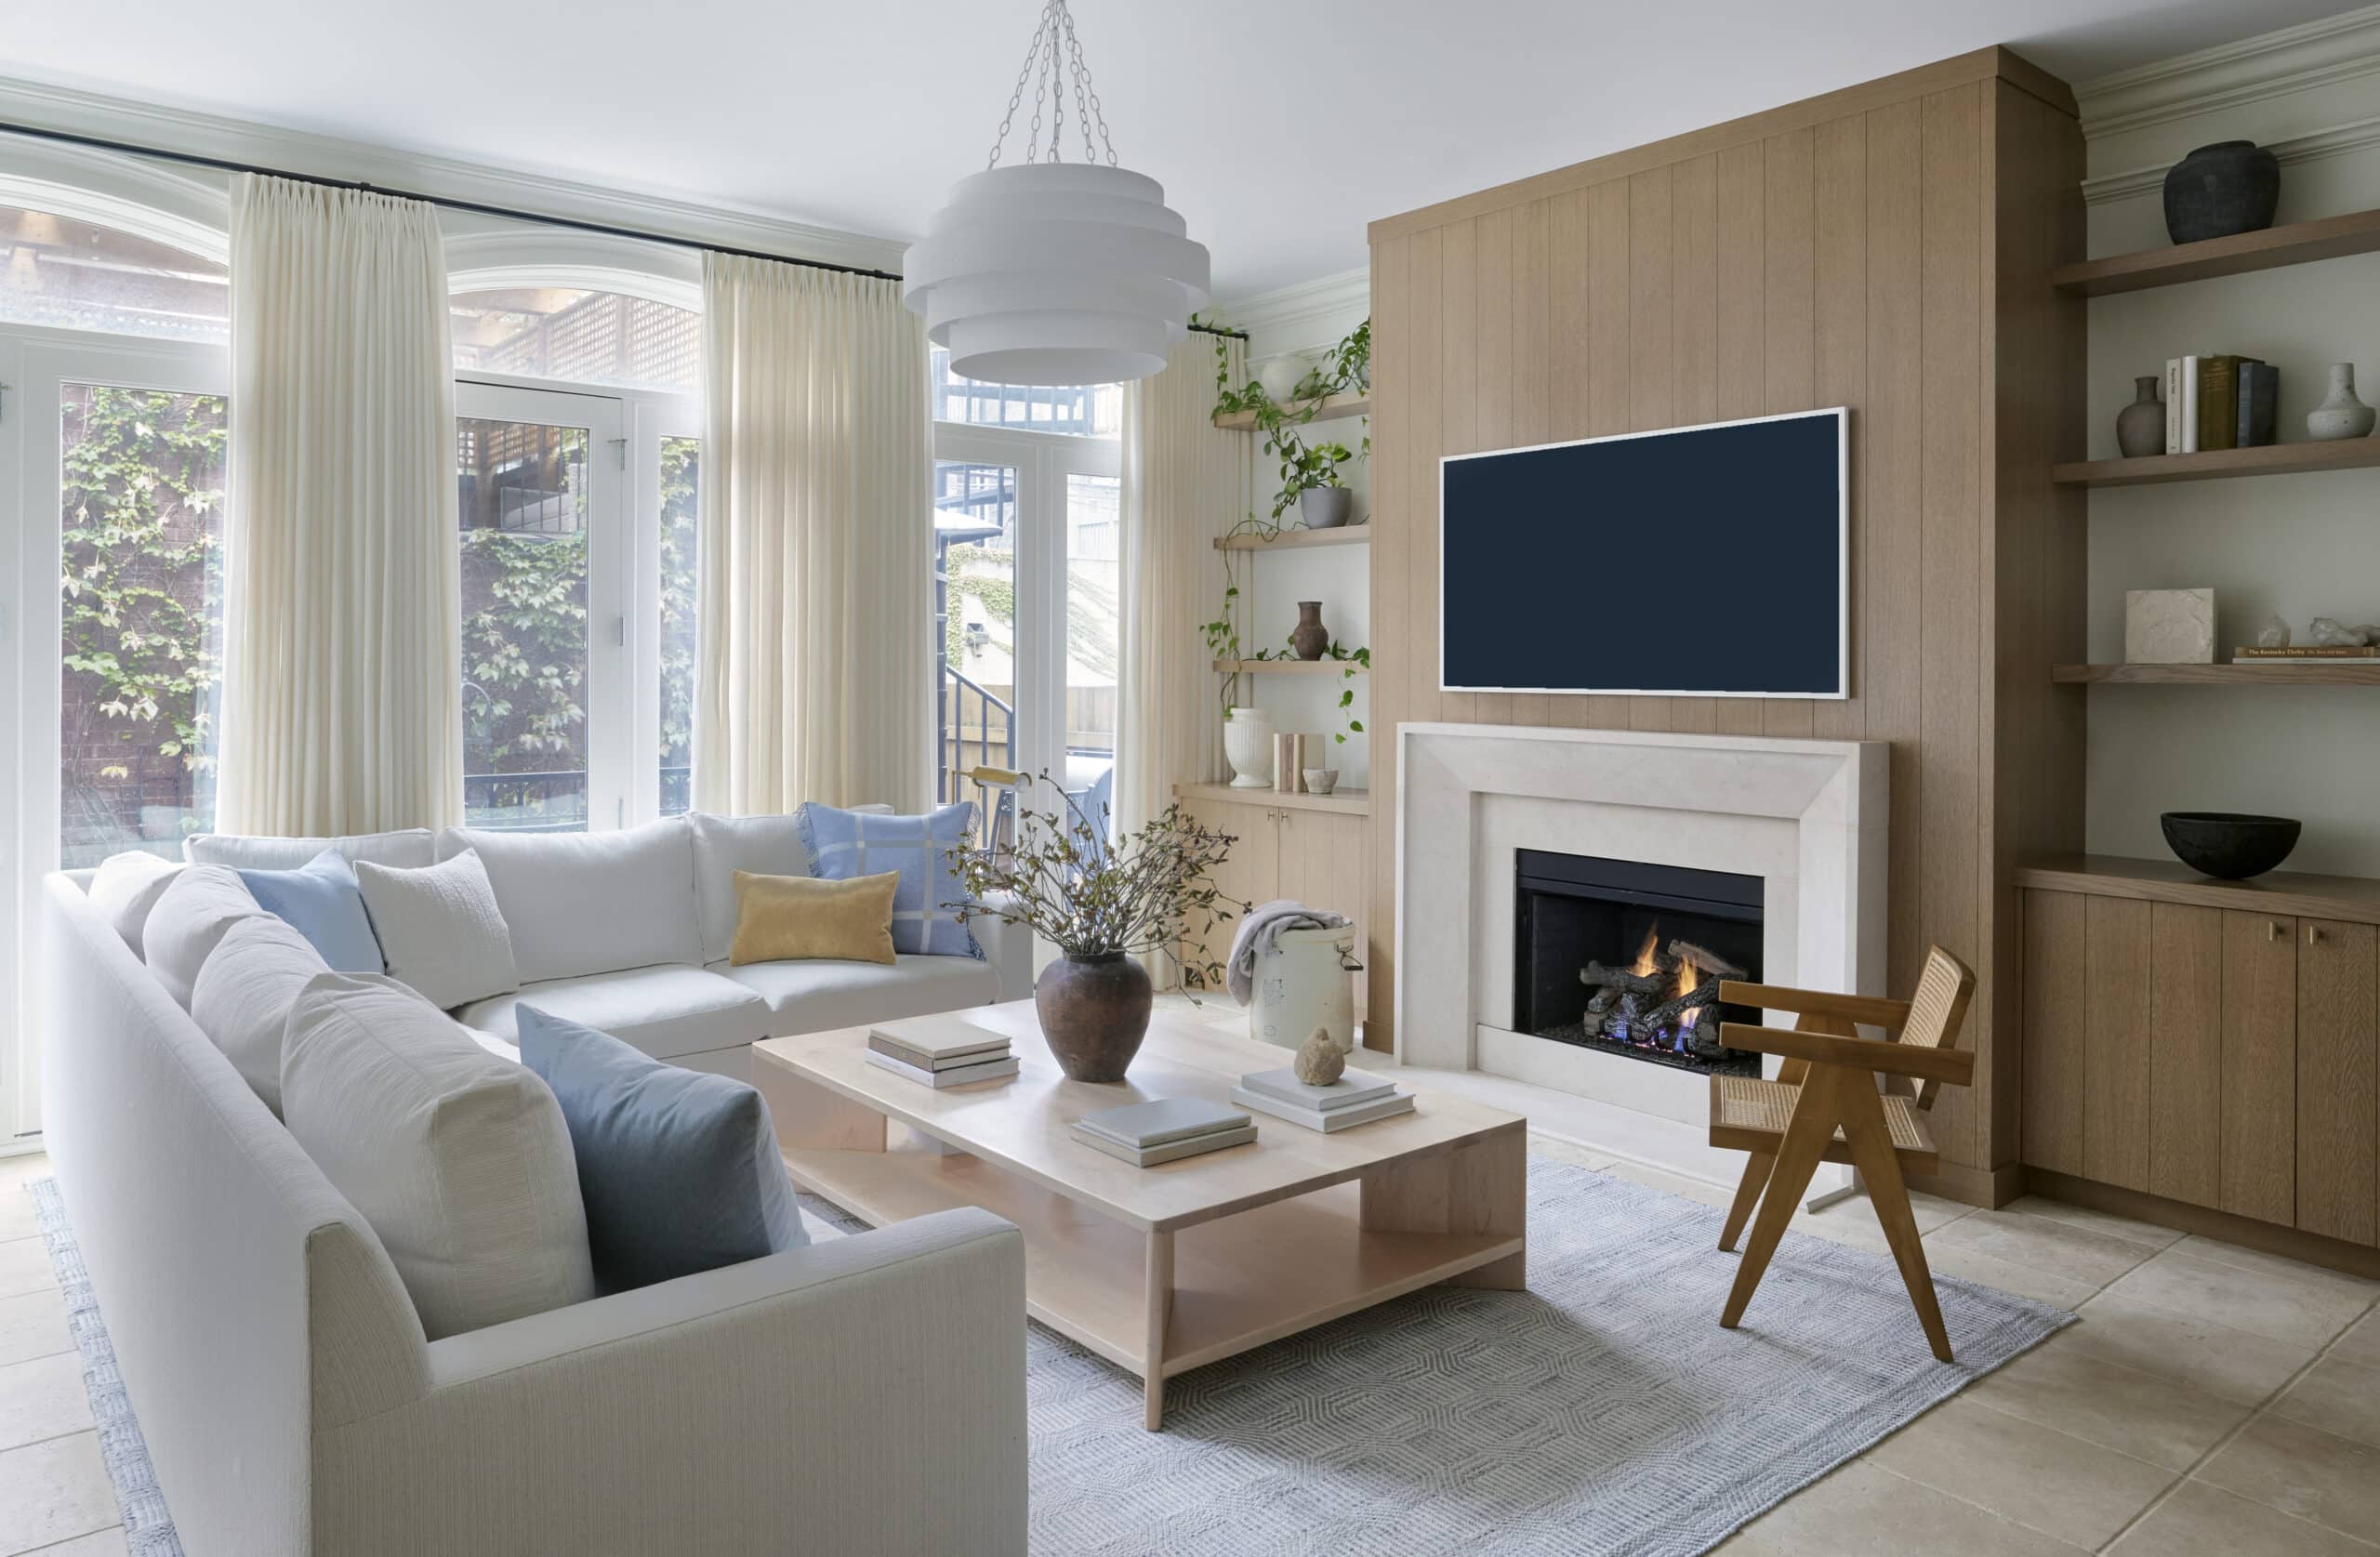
(1747,1196)
(1798,1155)
(1872,1151)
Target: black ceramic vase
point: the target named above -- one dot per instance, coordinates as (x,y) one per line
(1094,1010)
(2232,186)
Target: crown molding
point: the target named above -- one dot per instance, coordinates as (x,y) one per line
(2269,65)
(1327,304)
(81,112)
(2338,141)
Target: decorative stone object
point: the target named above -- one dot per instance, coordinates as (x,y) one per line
(1248,743)
(2169,627)
(2328,632)
(1320,781)
(1318,1061)
(2274,634)
(2232,186)
(2140,427)
(1309,637)
(1280,375)
(2342,416)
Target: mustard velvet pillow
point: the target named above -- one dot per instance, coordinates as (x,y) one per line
(800,918)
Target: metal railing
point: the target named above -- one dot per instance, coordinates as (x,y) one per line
(951,741)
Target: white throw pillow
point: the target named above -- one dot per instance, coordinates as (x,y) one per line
(723,845)
(125,886)
(460,1161)
(243,995)
(440,929)
(409,847)
(193,914)
(590,902)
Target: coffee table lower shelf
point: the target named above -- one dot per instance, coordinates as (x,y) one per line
(1158,1304)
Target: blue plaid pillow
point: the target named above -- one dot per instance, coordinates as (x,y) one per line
(845,844)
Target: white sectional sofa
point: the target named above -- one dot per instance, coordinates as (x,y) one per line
(863,1395)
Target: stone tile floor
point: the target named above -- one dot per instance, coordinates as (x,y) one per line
(2213,1399)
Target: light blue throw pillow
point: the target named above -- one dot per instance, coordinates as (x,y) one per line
(321,900)
(847,844)
(679,1170)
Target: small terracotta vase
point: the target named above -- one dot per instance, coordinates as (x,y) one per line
(2140,427)
(1310,637)
(1094,1012)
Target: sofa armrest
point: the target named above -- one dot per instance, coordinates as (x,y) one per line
(1009,948)
(865,1394)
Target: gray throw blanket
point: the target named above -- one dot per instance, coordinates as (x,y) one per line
(1258,928)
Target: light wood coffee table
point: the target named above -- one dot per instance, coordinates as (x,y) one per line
(1161,1270)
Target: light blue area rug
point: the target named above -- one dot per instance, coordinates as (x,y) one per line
(1602,1413)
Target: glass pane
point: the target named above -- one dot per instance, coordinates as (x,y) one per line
(1090,410)
(682,462)
(591,337)
(82,276)
(523,499)
(1094,636)
(975,526)
(141,606)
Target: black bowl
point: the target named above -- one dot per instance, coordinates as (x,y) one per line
(2227,843)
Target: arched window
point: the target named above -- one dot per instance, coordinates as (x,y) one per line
(79,275)
(585,336)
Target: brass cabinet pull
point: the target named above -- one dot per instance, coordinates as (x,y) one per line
(2313,933)
(2273,930)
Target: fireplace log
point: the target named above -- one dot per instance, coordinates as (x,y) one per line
(1704,958)
(1627,980)
(1668,1012)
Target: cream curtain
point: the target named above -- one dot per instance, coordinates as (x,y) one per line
(342,681)
(815,543)
(1185,483)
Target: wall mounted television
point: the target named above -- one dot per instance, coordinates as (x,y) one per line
(1694,562)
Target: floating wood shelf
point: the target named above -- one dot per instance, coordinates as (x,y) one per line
(1299,668)
(1344,802)
(2272,459)
(1329,408)
(2315,675)
(1345,535)
(2353,898)
(2300,243)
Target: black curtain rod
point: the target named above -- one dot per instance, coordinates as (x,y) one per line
(223,165)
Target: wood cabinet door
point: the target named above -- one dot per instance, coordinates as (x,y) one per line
(2260,1066)
(2338,1194)
(1250,873)
(2186,1053)
(1323,865)
(2116,1050)
(2054,1000)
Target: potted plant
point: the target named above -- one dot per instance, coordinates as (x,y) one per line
(1105,905)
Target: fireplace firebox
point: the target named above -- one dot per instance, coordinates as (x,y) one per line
(1626,958)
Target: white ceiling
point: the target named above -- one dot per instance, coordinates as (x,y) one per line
(1279,128)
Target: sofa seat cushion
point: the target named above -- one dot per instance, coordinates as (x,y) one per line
(590,902)
(814,997)
(672,1010)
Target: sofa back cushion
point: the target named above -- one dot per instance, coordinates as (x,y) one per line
(460,1161)
(193,914)
(125,886)
(244,993)
(590,902)
(440,929)
(723,845)
(408,849)
(321,902)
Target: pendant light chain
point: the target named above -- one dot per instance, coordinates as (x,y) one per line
(1052,60)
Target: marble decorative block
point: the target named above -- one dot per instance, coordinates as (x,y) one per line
(2169,627)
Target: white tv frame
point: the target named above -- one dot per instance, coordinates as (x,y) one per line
(1842,561)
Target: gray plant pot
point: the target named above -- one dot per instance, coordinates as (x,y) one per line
(1325,507)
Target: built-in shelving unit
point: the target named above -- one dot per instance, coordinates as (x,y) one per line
(2300,243)
(2352,898)
(2270,460)
(1329,408)
(1295,667)
(1291,540)
(2314,675)
(1341,802)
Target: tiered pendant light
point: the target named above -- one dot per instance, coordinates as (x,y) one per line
(1055,272)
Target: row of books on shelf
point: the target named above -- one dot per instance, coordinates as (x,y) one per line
(2219,401)
(2307,654)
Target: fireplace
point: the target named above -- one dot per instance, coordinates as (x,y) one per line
(1625,958)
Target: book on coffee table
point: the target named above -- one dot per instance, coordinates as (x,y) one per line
(1161,1121)
(1170,1151)
(992,1069)
(1352,1090)
(973,1054)
(1325,1120)
(927,1040)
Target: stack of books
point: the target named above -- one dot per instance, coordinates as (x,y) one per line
(1353,1099)
(2219,403)
(2310,654)
(940,1051)
(1163,1130)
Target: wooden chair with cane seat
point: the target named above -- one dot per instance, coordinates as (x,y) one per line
(1824,1106)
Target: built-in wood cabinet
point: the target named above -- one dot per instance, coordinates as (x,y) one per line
(1285,846)
(2190,1040)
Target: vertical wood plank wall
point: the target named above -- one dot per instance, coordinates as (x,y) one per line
(1891,258)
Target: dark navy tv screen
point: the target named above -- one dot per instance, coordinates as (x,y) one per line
(1699,560)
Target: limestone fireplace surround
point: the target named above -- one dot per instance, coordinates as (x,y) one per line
(1808,817)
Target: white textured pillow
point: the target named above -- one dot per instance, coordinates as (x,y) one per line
(440,929)
(590,902)
(125,886)
(193,914)
(723,845)
(460,1161)
(409,847)
(243,995)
